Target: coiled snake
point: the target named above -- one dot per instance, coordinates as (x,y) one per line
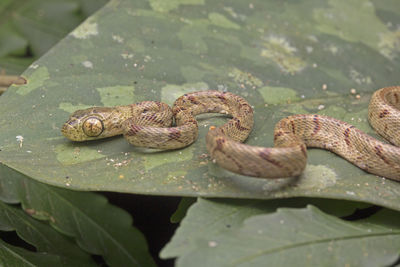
(148,124)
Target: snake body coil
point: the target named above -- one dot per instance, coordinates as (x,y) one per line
(148,124)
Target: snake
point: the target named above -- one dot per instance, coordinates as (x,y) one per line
(154,124)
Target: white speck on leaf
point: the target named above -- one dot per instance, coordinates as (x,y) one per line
(118,39)
(126,56)
(147,58)
(87,64)
(212,244)
(85,30)
(34,66)
(20,139)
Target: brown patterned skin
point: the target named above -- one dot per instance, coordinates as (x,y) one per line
(102,122)
(185,109)
(292,135)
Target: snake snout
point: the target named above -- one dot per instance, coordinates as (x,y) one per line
(70,131)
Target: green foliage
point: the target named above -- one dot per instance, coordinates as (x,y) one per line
(128,52)
(252,233)
(285,57)
(96,226)
(15,256)
(180,212)
(40,235)
(28,29)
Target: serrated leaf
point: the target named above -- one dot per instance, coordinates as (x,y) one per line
(98,227)
(210,218)
(15,256)
(42,236)
(282,63)
(243,236)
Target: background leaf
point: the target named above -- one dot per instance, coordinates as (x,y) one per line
(15,256)
(285,57)
(42,236)
(98,227)
(247,234)
(27,28)
(181,211)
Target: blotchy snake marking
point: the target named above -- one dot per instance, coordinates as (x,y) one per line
(148,124)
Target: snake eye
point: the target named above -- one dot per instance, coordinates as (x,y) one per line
(92,127)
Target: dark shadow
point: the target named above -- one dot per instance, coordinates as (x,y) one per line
(12,238)
(151,215)
(360,214)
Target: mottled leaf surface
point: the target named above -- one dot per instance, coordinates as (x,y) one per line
(284,57)
(229,233)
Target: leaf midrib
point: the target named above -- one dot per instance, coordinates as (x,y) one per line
(307,243)
(17,255)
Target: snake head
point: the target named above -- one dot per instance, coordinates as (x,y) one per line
(87,124)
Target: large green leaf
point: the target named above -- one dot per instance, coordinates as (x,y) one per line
(228,233)
(285,57)
(98,227)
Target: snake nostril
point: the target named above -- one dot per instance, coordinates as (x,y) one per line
(64,129)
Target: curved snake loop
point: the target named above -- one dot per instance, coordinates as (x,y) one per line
(148,124)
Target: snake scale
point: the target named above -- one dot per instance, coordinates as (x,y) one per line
(148,124)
